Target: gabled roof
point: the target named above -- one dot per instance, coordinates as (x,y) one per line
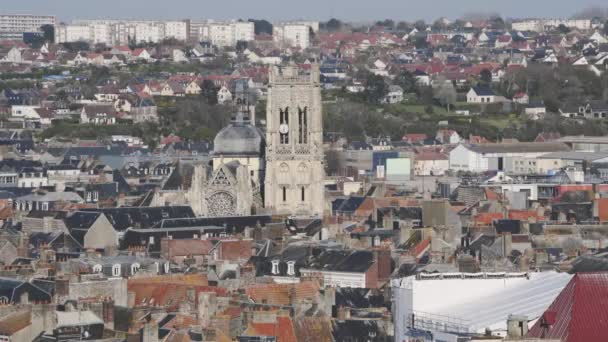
(535,147)
(344,261)
(483,91)
(282,328)
(81,220)
(142,217)
(578,314)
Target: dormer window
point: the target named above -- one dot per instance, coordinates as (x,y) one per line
(291,268)
(116,270)
(97,268)
(275,266)
(134,268)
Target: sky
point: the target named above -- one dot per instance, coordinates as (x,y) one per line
(347,10)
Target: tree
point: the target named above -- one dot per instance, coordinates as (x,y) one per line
(420,25)
(458,24)
(563,29)
(48,32)
(76,46)
(497,23)
(261,26)
(459,40)
(241,45)
(387,23)
(333,164)
(446,94)
(406,81)
(375,88)
(420,42)
(33,39)
(439,25)
(404,26)
(485,77)
(426,96)
(99,74)
(332,25)
(209,92)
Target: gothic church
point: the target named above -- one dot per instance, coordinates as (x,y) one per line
(281,173)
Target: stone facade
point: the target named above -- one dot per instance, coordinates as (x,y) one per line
(101,234)
(294,153)
(226,191)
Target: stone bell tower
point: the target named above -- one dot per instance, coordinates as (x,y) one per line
(294,142)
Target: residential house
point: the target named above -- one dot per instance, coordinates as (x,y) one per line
(535,109)
(141,55)
(47,201)
(92,230)
(521,98)
(224,95)
(14,55)
(431,164)
(179,56)
(193,88)
(350,268)
(144,109)
(448,137)
(588,110)
(98,114)
(394,95)
(481,94)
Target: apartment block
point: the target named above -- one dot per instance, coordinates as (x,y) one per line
(13,26)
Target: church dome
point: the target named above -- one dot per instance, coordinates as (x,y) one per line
(239,138)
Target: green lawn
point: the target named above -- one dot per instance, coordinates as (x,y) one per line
(500,121)
(416,108)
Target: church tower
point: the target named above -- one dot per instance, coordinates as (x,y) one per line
(294,182)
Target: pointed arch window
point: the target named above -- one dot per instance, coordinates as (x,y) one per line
(303,125)
(284,122)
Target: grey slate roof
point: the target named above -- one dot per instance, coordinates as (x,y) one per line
(518,147)
(239,138)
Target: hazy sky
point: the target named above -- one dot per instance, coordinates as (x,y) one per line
(353,10)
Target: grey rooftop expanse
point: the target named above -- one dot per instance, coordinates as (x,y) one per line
(519,147)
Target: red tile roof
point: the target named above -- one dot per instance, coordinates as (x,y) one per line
(235,250)
(187,247)
(524,215)
(421,248)
(166,295)
(486,218)
(279,294)
(414,137)
(431,156)
(282,329)
(579,313)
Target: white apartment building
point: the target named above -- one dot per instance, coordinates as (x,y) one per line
(120,32)
(12,26)
(101,33)
(177,30)
(292,35)
(314,25)
(539,25)
(149,32)
(72,33)
(222,33)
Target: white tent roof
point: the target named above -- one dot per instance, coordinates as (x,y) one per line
(487,303)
